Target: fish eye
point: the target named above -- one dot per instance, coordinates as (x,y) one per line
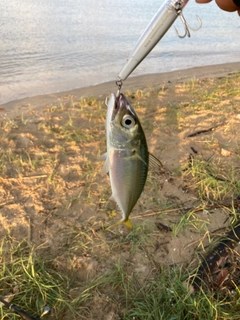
(128,121)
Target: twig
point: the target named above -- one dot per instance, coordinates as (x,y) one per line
(36,177)
(155,213)
(206,130)
(28,177)
(211,206)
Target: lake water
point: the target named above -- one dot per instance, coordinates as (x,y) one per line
(55,45)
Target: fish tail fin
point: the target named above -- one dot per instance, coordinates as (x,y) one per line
(127,223)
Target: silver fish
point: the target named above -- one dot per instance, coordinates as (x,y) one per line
(127,156)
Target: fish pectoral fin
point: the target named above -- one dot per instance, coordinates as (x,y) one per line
(103,157)
(155,163)
(135,154)
(105,168)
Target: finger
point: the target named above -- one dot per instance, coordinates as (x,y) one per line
(227,5)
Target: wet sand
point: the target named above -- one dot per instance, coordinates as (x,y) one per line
(17,107)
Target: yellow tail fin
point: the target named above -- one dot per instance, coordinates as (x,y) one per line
(126,223)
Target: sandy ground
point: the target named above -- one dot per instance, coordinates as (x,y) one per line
(52,192)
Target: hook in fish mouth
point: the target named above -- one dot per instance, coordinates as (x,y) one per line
(121,100)
(123,103)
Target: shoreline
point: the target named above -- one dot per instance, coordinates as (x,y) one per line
(16,107)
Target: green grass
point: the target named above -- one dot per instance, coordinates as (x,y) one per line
(165,295)
(212,180)
(33,282)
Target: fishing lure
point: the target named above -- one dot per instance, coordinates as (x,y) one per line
(156,29)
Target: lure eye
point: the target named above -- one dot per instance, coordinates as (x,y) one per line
(128,122)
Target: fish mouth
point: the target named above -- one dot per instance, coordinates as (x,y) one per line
(121,103)
(116,105)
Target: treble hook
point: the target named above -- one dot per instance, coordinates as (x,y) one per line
(119,85)
(187,26)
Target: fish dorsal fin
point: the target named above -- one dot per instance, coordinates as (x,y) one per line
(155,163)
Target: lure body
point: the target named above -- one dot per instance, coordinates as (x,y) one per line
(156,29)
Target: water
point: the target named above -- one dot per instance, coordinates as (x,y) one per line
(50,46)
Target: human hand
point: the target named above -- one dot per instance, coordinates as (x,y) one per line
(227,5)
